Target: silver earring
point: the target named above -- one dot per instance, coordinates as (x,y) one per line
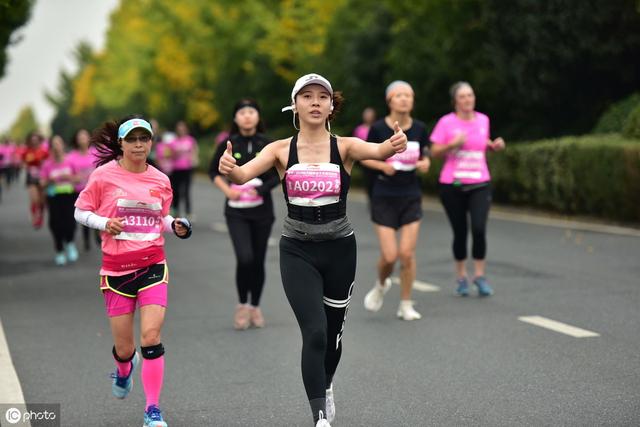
(294,121)
(328,125)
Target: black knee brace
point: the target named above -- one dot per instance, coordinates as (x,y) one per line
(121,360)
(152,351)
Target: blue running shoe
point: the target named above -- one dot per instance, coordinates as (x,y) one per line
(153,417)
(463,287)
(484,290)
(72,252)
(121,386)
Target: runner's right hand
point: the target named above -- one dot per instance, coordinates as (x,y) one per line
(227,161)
(233,194)
(388,169)
(114,226)
(458,140)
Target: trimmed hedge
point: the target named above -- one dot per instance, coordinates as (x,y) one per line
(614,119)
(593,175)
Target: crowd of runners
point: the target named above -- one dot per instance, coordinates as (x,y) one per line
(128,184)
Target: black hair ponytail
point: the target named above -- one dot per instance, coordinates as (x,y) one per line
(105,139)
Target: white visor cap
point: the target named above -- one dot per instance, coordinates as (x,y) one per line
(306,80)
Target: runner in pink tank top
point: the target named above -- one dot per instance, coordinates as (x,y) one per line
(129,201)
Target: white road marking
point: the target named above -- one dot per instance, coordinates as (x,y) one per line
(556,326)
(419,286)
(10,389)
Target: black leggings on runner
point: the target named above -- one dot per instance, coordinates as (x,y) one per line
(318,280)
(460,203)
(249,238)
(61,221)
(181,185)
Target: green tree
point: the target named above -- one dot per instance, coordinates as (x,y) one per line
(13,15)
(24,123)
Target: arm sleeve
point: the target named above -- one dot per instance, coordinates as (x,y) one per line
(90,219)
(168,221)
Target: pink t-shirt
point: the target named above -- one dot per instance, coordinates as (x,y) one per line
(59,176)
(164,157)
(361,131)
(6,155)
(183,149)
(467,165)
(143,199)
(83,164)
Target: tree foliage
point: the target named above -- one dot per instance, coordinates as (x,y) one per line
(24,123)
(13,15)
(539,68)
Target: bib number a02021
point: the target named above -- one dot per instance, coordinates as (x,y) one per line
(313,184)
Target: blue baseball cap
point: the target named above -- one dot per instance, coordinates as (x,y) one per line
(132,124)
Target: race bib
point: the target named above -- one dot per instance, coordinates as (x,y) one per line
(468,164)
(60,174)
(142,221)
(313,184)
(248,197)
(406,161)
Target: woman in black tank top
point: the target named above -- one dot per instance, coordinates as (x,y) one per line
(317,249)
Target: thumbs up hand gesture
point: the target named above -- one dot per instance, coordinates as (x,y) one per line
(399,139)
(227,161)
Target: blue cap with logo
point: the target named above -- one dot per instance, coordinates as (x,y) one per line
(132,124)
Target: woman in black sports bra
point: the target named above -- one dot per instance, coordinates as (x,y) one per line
(318,247)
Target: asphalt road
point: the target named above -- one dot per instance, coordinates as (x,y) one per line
(468,362)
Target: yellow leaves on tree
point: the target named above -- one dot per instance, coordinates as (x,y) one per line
(298,35)
(83,96)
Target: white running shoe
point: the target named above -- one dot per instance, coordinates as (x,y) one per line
(375,297)
(407,312)
(323,423)
(331,405)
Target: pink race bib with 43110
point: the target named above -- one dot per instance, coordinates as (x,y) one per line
(142,221)
(313,184)
(406,161)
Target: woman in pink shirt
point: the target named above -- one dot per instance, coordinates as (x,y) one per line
(57,178)
(462,138)
(184,150)
(83,158)
(129,201)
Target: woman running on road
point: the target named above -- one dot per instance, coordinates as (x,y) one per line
(463,138)
(248,211)
(129,201)
(318,246)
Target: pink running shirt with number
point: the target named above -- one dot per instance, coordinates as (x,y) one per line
(468,165)
(183,151)
(143,199)
(83,165)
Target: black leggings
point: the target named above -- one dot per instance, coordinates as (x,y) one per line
(61,221)
(181,185)
(318,280)
(249,238)
(459,202)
